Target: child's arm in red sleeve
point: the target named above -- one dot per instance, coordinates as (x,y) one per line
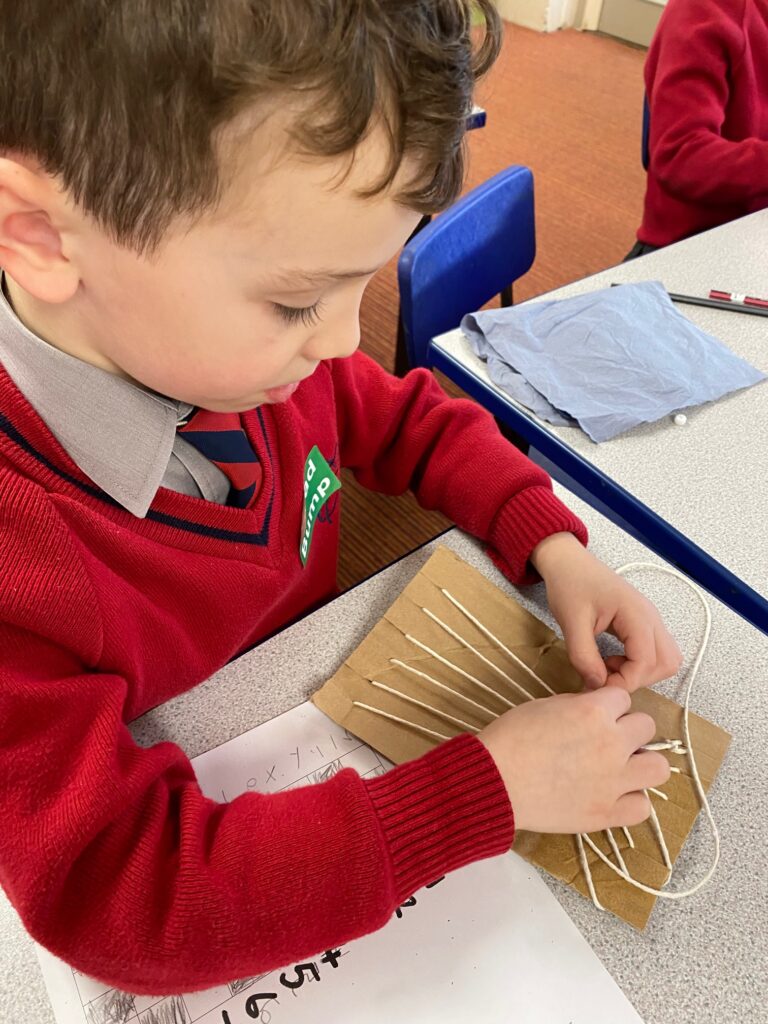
(693,60)
(116,861)
(408,434)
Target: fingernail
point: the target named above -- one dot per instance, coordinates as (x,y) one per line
(594,682)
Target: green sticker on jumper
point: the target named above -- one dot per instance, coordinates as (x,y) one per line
(320,482)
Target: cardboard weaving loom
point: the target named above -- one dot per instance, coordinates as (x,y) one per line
(538,647)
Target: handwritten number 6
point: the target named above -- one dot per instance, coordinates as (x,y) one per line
(252,1004)
(252,1007)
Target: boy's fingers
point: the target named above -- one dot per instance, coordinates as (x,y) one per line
(668,662)
(669,656)
(615,701)
(583,652)
(640,667)
(648,768)
(637,729)
(631,809)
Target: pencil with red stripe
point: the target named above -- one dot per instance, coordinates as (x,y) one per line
(738,299)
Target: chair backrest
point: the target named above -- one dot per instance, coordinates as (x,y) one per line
(646,150)
(468,254)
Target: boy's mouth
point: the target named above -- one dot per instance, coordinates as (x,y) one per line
(281,394)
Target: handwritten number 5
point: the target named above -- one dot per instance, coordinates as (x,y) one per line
(301,970)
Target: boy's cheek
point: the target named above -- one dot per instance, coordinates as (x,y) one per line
(217,363)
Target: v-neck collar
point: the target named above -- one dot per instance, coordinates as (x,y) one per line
(117,432)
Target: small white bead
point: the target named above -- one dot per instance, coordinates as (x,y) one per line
(681,419)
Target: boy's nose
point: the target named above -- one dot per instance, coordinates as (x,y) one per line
(333,341)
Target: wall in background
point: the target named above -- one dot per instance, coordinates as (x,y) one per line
(634,21)
(531,13)
(543,15)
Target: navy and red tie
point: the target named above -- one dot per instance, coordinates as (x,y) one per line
(220,437)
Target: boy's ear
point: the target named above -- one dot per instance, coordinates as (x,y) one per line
(32,251)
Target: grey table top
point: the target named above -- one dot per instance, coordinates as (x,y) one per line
(700,960)
(709,478)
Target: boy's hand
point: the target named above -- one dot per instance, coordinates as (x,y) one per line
(587,598)
(569,762)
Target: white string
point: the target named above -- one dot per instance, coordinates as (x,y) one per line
(656,826)
(461,671)
(628,836)
(616,851)
(402,721)
(672,746)
(675,747)
(427,707)
(436,682)
(495,639)
(585,869)
(488,662)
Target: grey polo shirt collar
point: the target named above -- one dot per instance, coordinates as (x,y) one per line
(120,434)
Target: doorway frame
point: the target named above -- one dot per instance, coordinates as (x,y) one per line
(590,15)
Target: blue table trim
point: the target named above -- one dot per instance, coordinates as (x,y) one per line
(610,499)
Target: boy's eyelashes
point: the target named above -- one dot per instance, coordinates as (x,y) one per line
(309,316)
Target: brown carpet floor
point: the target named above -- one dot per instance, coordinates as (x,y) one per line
(567,105)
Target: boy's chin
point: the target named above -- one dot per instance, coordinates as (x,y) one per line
(270,396)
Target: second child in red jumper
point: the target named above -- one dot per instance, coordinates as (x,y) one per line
(191,206)
(706,79)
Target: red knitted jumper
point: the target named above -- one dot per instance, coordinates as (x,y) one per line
(706,79)
(112,856)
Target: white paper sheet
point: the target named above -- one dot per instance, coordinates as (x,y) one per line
(489,943)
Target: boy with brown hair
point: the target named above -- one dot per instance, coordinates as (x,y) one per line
(193,196)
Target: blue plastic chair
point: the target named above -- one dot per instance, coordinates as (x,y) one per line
(473,251)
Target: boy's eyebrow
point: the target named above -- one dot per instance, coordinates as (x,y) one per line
(291,276)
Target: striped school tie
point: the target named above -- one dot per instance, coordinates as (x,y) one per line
(220,437)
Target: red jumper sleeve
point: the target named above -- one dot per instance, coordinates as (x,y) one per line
(689,78)
(399,434)
(118,863)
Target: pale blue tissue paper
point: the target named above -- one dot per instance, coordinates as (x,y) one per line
(606,361)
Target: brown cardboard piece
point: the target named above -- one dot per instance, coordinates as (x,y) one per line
(536,645)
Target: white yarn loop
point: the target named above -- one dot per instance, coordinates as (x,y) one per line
(675,748)
(672,746)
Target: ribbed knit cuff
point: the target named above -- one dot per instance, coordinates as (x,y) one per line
(522,523)
(441,811)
